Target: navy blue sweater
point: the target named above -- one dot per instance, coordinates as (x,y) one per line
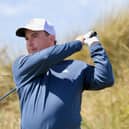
(50,88)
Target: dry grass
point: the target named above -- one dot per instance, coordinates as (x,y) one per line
(105,109)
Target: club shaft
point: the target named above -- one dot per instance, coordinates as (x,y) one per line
(8,93)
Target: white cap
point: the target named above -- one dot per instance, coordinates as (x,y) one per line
(36,24)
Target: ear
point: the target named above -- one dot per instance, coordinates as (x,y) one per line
(52,39)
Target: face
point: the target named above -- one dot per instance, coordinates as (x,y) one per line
(38,40)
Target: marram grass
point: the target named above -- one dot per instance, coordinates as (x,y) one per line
(105,109)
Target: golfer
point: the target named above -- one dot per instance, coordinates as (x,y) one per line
(49,86)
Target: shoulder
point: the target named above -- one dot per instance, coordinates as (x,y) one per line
(20,60)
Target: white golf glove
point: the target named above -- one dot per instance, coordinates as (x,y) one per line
(90,38)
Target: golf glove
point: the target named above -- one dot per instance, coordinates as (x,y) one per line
(90,38)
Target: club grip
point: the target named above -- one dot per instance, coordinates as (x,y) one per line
(93,34)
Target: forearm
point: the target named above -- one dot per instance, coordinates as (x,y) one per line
(59,52)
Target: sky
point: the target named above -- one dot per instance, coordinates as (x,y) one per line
(68,16)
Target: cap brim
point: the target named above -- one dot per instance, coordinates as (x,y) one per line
(21,32)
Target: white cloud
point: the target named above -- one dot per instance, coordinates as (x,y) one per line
(84,3)
(16,8)
(10,10)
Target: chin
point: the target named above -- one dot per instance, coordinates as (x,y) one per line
(32,52)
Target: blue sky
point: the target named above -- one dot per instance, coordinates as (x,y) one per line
(67,15)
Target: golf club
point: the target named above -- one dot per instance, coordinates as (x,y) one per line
(8,93)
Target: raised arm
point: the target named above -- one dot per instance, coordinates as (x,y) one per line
(100,75)
(27,67)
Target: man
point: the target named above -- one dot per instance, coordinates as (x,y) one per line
(49,87)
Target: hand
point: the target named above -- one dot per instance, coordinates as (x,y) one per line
(80,38)
(90,38)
